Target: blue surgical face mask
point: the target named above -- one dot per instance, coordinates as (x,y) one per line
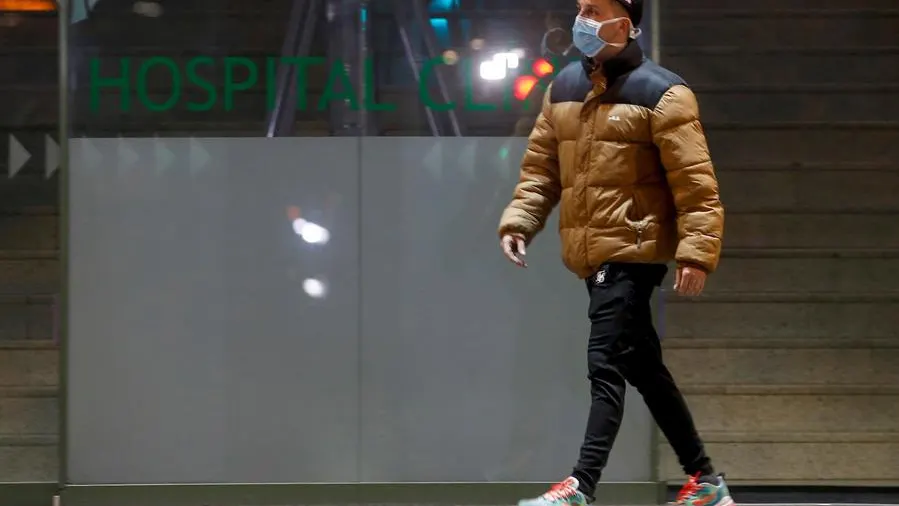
(587,39)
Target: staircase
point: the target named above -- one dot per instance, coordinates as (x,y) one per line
(790,360)
(29,284)
(29,256)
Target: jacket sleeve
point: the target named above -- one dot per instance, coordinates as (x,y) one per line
(678,134)
(539,187)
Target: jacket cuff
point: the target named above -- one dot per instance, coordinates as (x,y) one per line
(693,266)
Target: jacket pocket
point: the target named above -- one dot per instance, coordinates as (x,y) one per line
(640,220)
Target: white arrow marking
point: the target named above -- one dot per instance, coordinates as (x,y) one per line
(164,156)
(51,161)
(18,156)
(199,157)
(434,159)
(127,156)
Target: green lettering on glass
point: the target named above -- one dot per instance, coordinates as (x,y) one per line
(423,93)
(121,82)
(143,95)
(369,100)
(346,93)
(470,104)
(231,85)
(194,78)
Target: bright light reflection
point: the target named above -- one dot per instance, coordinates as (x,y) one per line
(315,288)
(312,233)
(492,70)
(496,69)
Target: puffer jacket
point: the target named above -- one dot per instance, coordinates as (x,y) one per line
(621,146)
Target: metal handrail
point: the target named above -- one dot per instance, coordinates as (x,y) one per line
(297,42)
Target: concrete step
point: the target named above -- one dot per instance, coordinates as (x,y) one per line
(29,411)
(799,230)
(28,318)
(751,320)
(29,229)
(851,463)
(746,367)
(25,191)
(737,65)
(34,67)
(825,188)
(29,272)
(28,459)
(782,27)
(778,103)
(820,413)
(32,33)
(755,271)
(739,143)
(28,364)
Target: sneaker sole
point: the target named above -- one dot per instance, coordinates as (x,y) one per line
(727,501)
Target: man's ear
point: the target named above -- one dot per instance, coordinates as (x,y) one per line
(629,26)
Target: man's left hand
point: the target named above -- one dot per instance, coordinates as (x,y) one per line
(689,280)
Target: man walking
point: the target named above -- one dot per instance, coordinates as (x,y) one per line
(619,143)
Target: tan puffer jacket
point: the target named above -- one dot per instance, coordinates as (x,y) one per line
(622,148)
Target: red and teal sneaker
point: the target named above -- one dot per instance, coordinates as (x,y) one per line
(708,490)
(564,493)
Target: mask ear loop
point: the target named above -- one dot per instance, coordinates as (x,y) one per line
(634,31)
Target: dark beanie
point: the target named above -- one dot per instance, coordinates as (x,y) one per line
(634,9)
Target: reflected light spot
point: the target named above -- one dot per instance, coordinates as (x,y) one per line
(493,70)
(477,44)
(293,213)
(311,232)
(523,86)
(542,68)
(314,288)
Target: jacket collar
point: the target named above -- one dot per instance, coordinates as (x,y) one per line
(625,61)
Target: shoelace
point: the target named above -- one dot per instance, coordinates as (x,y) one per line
(689,489)
(560,490)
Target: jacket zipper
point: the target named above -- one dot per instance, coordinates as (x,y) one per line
(640,226)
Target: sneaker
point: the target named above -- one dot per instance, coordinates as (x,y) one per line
(705,491)
(564,493)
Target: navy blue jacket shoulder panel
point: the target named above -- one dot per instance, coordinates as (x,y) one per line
(642,86)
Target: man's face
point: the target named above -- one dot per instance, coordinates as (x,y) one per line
(604,10)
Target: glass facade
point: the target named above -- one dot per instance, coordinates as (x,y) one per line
(289,208)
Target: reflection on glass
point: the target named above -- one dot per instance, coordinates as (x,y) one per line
(315,288)
(312,233)
(495,69)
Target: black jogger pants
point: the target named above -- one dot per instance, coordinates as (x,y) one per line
(624,347)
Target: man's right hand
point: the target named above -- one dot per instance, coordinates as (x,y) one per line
(513,248)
